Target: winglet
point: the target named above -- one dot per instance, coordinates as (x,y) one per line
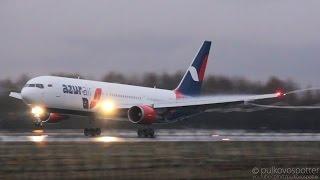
(15,95)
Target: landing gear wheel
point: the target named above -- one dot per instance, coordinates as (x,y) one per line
(92,132)
(98,131)
(38,125)
(146,133)
(86,132)
(140,133)
(38,128)
(151,133)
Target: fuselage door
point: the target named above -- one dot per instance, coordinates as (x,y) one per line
(53,95)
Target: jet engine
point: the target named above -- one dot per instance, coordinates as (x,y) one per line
(142,114)
(53,117)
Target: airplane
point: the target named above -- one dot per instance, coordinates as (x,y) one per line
(53,99)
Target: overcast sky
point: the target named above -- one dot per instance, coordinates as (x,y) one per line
(251,38)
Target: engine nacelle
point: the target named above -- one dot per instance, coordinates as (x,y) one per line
(142,114)
(53,118)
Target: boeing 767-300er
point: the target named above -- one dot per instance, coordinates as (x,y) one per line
(53,99)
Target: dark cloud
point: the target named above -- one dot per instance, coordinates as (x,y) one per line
(255,39)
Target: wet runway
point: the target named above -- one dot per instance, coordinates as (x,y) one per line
(173,154)
(161,136)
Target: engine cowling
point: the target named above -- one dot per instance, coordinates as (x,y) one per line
(142,114)
(54,117)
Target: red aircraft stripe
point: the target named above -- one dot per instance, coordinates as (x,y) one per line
(179,95)
(203,68)
(96,98)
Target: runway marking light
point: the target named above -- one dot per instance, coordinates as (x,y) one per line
(37,111)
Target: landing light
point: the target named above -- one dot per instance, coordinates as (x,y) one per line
(107,107)
(37,111)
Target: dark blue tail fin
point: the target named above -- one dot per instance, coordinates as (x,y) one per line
(191,82)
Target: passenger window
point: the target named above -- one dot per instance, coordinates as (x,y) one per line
(32,85)
(49,85)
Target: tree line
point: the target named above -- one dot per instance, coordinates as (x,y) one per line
(14,114)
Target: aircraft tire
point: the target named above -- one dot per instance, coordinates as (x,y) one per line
(92,132)
(86,132)
(38,126)
(98,131)
(146,133)
(140,133)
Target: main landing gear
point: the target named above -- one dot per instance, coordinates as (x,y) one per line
(92,132)
(146,133)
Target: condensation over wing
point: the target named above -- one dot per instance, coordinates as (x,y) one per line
(213,100)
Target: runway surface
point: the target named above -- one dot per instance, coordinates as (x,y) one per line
(161,136)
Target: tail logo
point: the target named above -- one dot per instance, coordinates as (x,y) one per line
(96,98)
(194,73)
(191,82)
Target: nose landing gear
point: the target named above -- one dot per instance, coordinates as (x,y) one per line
(146,133)
(38,125)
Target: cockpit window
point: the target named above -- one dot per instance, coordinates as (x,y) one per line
(41,86)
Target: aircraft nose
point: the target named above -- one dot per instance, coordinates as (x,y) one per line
(31,96)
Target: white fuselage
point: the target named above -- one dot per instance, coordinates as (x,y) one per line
(69,94)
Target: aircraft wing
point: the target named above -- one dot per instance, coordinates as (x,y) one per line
(15,95)
(213,100)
